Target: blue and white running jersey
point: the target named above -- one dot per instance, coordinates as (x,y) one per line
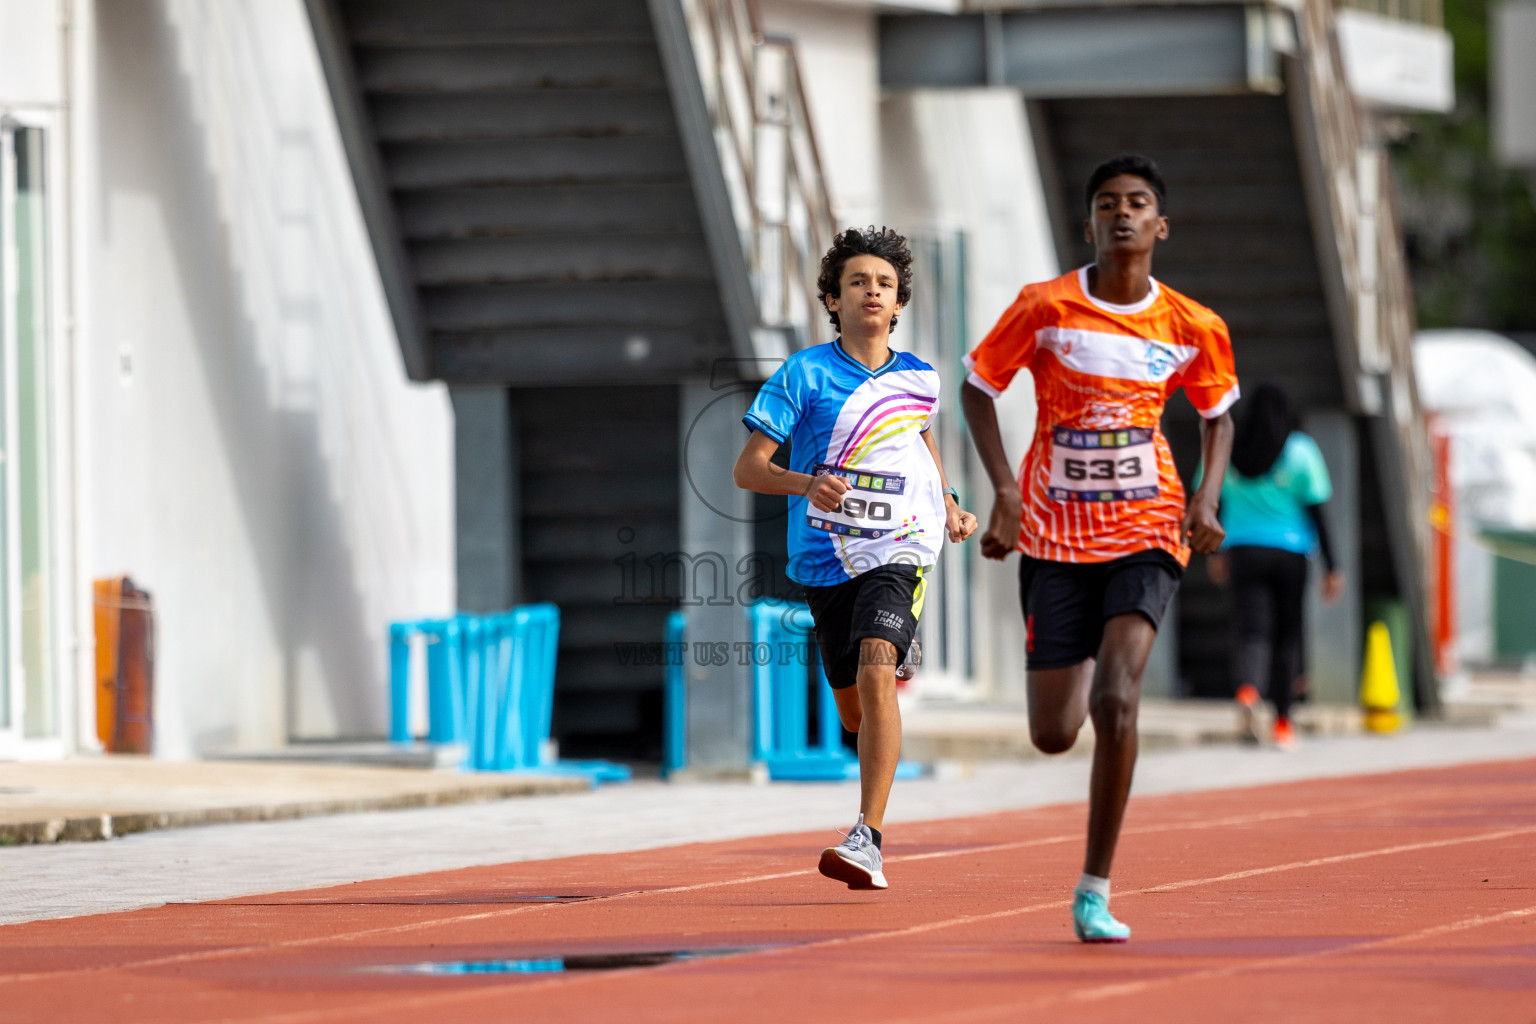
(865,425)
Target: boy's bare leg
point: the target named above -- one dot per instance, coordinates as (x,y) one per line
(1058,705)
(1108,689)
(849,711)
(1112,704)
(879,727)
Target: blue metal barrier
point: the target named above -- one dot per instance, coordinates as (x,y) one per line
(782,650)
(490,687)
(783,654)
(674,698)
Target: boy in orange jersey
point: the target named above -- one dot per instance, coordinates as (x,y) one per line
(1097,510)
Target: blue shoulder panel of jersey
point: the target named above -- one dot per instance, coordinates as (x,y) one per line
(777,409)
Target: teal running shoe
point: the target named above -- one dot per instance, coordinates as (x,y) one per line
(1092,921)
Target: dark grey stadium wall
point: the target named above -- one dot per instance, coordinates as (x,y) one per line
(599,486)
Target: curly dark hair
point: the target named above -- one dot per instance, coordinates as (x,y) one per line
(882,242)
(1135,164)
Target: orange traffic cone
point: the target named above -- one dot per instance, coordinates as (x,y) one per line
(1378,681)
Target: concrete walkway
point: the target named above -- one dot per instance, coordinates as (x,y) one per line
(977,732)
(102,797)
(222,861)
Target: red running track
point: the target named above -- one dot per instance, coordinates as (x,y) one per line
(1402,897)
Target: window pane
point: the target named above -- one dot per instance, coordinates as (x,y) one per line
(32,434)
(8,710)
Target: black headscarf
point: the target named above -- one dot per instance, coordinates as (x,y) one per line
(1261,434)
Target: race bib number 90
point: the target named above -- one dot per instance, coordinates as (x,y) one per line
(871,507)
(1103,465)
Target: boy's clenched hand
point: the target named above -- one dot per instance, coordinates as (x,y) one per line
(957,521)
(826,491)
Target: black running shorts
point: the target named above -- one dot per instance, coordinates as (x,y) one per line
(1067,603)
(883,603)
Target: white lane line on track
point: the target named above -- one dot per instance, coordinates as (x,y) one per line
(1010,1011)
(1187,883)
(231,951)
(1433,931)
(1340,858)
(439,999)
(1254,818)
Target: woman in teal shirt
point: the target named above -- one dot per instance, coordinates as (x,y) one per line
(1271,507)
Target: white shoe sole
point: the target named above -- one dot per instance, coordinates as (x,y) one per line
(834,865)
(1247,725)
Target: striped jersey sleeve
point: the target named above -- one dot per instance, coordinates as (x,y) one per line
(1210,378)
(1007,348)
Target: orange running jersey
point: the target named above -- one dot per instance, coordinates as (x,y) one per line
(1098,481)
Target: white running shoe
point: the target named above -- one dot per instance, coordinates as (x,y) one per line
(856,860)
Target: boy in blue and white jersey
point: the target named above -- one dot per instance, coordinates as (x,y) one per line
(869,507)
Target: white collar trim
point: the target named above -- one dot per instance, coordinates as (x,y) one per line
(1110,307)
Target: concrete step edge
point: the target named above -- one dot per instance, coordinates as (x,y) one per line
(92,827)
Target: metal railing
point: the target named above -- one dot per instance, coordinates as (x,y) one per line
(762,128)
(1425,12)
(1362,252)
(490,682)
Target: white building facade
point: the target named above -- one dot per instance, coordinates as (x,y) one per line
(203,389)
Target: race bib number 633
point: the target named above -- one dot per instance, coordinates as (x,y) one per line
(1103,465)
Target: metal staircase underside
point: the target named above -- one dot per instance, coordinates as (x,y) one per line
(526,187)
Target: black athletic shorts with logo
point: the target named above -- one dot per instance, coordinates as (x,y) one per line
(1067,603)
(883,602)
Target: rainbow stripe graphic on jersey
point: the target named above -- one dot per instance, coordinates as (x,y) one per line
(883,421)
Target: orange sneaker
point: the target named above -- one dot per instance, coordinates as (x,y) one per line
(1285,735)
(1247,701)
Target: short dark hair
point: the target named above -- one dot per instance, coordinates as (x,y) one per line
(1142,167)
(883,242)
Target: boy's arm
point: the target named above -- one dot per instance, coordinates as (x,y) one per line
(1210,382)
(1201,524)
(1002,534)
(959,523)
(755,471)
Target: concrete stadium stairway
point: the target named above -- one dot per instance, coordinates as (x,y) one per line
(565,202)
(542,207)
(538,231)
